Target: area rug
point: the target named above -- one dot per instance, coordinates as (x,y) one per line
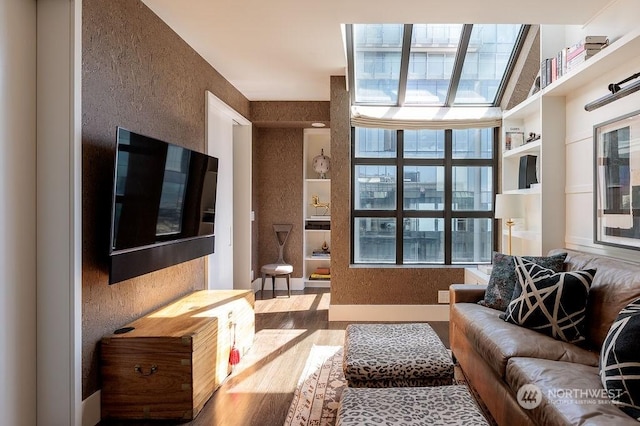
(317,396)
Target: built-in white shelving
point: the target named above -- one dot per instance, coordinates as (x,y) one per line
(528,148)
(616,54)
(543,113)
(317,220)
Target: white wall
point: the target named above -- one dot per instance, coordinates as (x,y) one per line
(615,21)
(242,222)
(220,144)
(17,212)
(229,139)
(59,239)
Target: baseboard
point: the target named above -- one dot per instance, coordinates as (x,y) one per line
(389,313)
(317,284)
(91,410)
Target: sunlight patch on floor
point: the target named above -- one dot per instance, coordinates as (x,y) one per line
(277,375)
(325,301)
(276,337)
(298,302)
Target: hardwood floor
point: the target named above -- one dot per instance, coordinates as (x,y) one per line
(260,389)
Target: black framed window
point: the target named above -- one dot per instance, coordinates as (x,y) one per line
(423,196)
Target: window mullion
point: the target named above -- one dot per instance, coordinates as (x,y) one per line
(448,195)
(353,187)
(463,45)
(382,161)
(351,68)
(404,63)
(497,231)
(400,198)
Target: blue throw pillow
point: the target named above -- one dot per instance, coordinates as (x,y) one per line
(502,280)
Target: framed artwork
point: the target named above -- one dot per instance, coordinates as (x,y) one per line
(617,182)
(514,137)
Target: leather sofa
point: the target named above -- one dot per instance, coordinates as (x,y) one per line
(498,358)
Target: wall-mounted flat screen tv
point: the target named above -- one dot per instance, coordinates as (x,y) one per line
(163,205)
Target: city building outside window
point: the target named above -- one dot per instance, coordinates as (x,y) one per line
(423,196)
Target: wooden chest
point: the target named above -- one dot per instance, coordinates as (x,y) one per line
(173,360)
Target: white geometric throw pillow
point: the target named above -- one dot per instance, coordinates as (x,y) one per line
(550,303)
(620,360)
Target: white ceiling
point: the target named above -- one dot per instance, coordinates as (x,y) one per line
(286,50)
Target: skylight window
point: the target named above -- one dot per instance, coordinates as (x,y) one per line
(431,60)
(431,64)
(377,62)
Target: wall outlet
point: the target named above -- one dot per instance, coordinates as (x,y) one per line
(443,296)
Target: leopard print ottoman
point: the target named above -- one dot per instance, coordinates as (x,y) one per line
(394,355)
(440,406)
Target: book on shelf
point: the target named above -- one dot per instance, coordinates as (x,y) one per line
(320,273)
(596,39)
(321,253)
(582,50)
(575,50)
(320,217)
(324,225)
(575,62)
(316,276)
(568,58)
(595,46)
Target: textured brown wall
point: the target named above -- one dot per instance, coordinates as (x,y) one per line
(368,286)
(137,73)
(278,189)
(525,70)
(289,113)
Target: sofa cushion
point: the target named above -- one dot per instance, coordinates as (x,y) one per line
(551,303)
(502,280)
(620,360)
(571,393)
(496,341)
(616,284)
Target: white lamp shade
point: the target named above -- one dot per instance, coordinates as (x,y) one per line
(509,206)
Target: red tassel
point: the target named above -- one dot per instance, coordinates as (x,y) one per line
(234,355)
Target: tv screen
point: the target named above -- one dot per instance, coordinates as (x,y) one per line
(163,209)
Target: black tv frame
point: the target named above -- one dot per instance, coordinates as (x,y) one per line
(132,262)
(124,265)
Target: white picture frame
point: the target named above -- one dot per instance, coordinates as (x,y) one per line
(617,182)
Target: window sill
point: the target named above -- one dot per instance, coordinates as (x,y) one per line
(411,266)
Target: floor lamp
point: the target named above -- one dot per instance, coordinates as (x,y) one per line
(509,207)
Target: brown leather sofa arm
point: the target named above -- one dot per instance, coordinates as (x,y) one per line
(469,293)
